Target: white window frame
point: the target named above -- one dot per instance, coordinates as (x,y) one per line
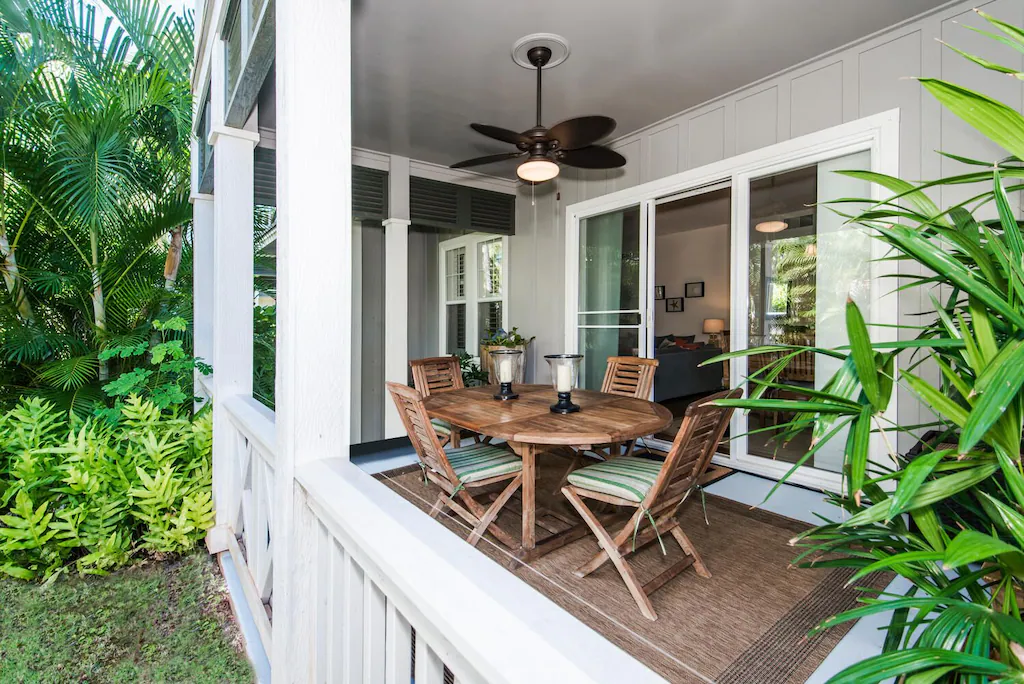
(878,133)
(472,300)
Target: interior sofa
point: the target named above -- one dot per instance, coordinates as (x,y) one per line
(680,374)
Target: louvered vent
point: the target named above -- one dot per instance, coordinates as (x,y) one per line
(492,212)
(433,203)
(369,186)
(369,193)
(448,206)
(265,177)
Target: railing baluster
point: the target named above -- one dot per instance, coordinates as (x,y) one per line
(429,668)
(398,647)
(374,633)
(352,647)
(326,625)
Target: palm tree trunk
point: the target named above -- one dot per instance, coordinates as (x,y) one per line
(9,263)
(99,310)
(11,276)
(173,261)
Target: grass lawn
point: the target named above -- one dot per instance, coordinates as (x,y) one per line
(160,622)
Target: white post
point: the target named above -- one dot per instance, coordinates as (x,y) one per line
(202,282)
(232,284)
(314,331)
(396,288)
(357,336)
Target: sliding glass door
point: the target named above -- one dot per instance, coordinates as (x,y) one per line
(611,291)
(789,263)
(803,262)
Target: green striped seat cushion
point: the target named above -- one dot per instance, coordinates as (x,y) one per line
(481,461)
(442,428)
(626,477)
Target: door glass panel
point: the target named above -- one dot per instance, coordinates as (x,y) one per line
(610,262)
(597,344)
(804,263)
(609,291)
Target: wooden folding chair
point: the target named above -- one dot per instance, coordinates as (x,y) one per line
(656,490)
(460,470)
(439,374)
(626,376)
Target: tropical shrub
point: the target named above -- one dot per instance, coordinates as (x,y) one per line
(163,369)
(95,126)
(951,518)
(90,495)
(472,374)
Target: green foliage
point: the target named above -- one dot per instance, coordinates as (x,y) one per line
(91,495)
(159,622)
(167,381)
(264,353)
(503,338)
(95,126)
(472,373)
(950,519)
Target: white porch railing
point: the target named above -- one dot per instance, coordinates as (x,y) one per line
(397,596)
(249,495)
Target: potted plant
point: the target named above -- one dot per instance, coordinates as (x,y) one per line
(503,339)
(949,519)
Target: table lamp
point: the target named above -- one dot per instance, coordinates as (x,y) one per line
(713,328)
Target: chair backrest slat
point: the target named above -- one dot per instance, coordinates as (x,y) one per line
(629,376)
(703,427)
(422,434)
(437,374)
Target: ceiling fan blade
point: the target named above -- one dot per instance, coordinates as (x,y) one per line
(502,134)
(572,134)
(489,159)
(592,157)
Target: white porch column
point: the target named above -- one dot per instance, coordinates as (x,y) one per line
(396,289)
(314,313)
(202,281)
(356,410)
(232,283)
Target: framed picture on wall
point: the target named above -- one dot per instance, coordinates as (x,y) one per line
(659,291)
(692,290)
(674,304)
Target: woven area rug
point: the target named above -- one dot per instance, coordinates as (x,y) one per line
(747,623)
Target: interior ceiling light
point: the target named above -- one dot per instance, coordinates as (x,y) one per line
(771,226)
(537,170)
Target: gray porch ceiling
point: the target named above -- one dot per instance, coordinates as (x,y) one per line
(424,69)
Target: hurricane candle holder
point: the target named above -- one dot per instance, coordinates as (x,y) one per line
(505,366)
(565,371)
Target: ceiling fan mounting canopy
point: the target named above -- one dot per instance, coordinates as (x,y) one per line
(570,142)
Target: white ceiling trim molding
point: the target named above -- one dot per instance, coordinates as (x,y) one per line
(471,179)
(881,36)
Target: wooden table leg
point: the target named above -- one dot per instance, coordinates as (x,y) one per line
(528,455)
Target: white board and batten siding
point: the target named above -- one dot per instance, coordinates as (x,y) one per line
(865,78)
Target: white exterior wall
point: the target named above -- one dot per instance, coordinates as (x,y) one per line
(861,79)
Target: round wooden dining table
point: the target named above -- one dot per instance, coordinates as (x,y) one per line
(528,426)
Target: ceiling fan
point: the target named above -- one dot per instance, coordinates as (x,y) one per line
(570,142)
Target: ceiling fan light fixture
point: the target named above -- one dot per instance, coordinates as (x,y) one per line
(537,170)
(771,226)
